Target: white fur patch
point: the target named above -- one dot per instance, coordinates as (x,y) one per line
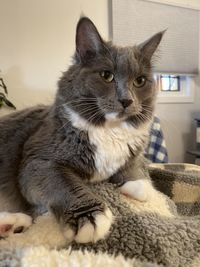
(111,142)
(91,232)
(141,190)
(111,116)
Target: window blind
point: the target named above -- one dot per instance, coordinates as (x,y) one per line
(134,21)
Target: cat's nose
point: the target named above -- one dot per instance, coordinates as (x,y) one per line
(126,102)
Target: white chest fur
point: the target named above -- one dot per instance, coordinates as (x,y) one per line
(112,149)
(111,144)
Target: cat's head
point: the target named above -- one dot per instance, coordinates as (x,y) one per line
(107,83)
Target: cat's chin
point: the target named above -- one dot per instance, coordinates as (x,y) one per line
(113,119)
(116,118)
(112,116)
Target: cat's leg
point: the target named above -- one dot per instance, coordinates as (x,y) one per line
(83,216)
(11,223)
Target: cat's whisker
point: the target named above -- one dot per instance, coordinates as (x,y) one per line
(92,117)
(141,119)
(100,116)
(64,125)
(145,105)
(85,105)
(95,116)
(148,110)
(86,110)
(146,116)
(77,101)
(82,112)
(66,103)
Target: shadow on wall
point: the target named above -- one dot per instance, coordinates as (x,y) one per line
(189,140)
(21,94)
(170,130)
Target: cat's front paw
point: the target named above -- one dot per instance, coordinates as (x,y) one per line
(12,223)
(90,226)
(141,190)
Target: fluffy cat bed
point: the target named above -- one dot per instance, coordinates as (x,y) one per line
(152,233)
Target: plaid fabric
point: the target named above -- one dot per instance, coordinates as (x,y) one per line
(156,150)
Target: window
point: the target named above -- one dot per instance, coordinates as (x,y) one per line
(175,88)
(168,83)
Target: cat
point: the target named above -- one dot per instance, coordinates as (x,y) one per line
(96,130)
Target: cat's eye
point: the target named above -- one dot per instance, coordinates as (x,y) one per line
(139,81)
(107,76)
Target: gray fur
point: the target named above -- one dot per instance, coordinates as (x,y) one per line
(45,162)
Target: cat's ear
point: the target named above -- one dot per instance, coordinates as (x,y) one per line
(148,47)
(88,40)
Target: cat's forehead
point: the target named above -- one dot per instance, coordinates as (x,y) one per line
(125,53)
(127,59)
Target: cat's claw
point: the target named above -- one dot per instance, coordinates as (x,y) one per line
(12,223)
(94,228)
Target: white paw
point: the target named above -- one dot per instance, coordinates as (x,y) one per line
(11,223)
(92,232)
(140,189)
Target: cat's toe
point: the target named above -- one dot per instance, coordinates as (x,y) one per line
(23,222)
(12,223)
(69,233)
(91,227)
(96,229)
(86,233)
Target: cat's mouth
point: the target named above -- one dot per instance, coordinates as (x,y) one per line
(125,113)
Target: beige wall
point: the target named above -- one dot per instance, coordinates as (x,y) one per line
(37,41)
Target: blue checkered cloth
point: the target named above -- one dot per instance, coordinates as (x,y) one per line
(156,150)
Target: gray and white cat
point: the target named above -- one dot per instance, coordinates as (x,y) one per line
(96,130)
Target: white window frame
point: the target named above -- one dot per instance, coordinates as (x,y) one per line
(186,93)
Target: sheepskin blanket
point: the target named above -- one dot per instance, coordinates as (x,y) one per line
(165,231)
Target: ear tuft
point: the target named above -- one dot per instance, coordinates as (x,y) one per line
(149,46)
(88,40)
